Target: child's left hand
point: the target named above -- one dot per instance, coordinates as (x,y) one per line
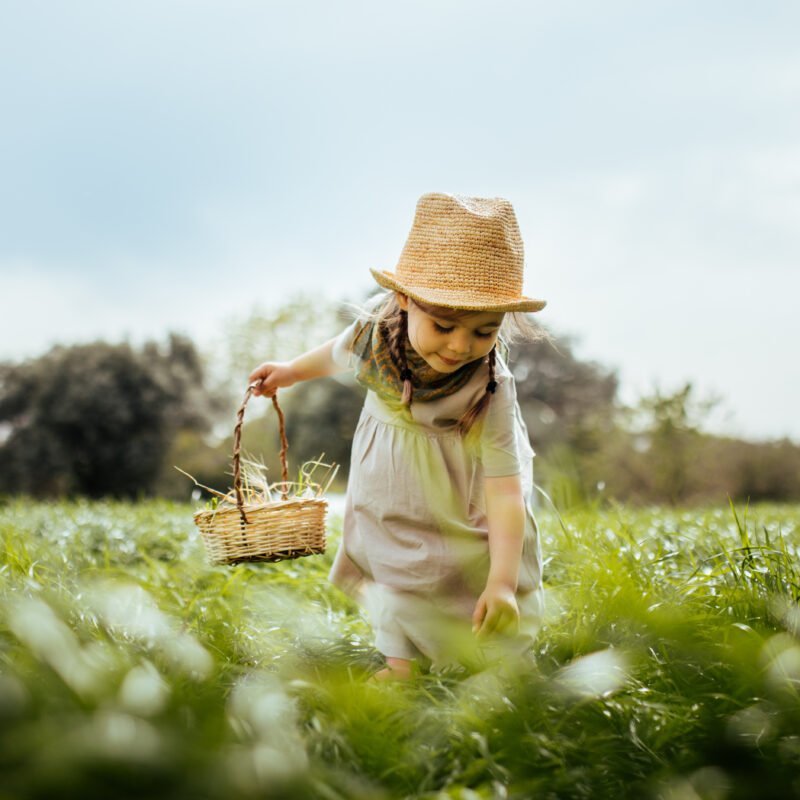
(496,611)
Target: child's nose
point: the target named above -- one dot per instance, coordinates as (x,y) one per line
(460,343)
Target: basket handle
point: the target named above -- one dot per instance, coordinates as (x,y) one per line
(237,448)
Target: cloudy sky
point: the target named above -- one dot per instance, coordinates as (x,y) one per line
(168,164)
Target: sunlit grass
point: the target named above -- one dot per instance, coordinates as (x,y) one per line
(668,666)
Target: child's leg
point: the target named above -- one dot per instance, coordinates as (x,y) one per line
(397,669)
(389,636)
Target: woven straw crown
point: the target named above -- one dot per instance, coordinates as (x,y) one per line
(462,252)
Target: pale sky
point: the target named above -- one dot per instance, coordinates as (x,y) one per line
(169,164)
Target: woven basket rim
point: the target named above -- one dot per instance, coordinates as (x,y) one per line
(273,505)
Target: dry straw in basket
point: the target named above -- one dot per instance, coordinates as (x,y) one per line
(250,526)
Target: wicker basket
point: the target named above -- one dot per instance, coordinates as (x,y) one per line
(283,529)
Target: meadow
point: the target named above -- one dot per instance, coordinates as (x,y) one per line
(668,667)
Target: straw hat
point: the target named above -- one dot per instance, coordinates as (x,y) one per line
(462,252)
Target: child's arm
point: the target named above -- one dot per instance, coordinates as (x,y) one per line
(497,608)
(276,375)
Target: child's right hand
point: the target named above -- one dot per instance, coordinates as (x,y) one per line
(271,376)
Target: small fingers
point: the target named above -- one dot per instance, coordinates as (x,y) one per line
(489,624)
(260,389)
(510,624)
(478,616)
(259,382)
(503,621)
(258,379)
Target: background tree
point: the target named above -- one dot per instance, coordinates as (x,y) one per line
(563,400)
(321,415)
(97,419)
(278,334)
(658,453)
(324,418)
(669,428)
(568,406)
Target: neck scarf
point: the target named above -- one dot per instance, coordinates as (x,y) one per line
(379,373)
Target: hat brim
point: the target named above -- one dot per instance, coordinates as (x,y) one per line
(454,298)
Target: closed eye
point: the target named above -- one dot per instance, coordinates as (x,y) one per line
(442,329)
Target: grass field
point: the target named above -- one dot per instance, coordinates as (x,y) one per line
(668,667)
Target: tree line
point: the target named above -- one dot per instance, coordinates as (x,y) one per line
(105,419)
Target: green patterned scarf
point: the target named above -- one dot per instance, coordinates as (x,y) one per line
(379,373)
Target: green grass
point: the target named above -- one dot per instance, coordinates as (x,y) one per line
(668,667)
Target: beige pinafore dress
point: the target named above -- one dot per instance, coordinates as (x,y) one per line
(414,549)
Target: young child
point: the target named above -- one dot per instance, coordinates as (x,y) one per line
(439,539)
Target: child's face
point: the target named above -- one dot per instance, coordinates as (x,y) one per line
(448,342)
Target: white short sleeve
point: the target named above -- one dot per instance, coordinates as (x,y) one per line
(342,354)
(499,450)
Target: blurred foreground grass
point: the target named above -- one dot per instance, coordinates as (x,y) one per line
(669,666)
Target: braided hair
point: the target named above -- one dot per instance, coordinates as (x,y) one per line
(395,328)
(473,414)
(394,325)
